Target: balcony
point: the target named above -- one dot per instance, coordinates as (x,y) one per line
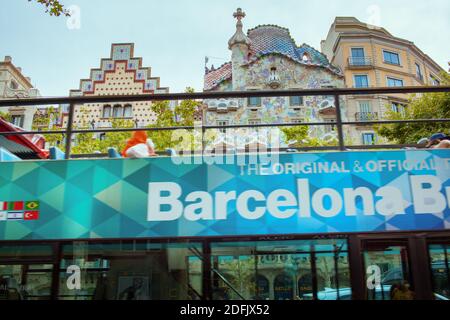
(366,116)
(360,62)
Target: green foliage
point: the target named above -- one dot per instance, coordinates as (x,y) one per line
(181,115)
(300,134)
(297,133)
(42,123)
(53,7)
(52,139)
(6,116)
(428,106)
(117,140)
(86,143)
(240,272)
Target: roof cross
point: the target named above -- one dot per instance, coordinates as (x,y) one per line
(239,14)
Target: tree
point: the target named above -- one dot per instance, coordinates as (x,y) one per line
(88,142)
(428,106)
(53,7)
(117,140)
(181,115)
(6,116)
(298,136)
(295,134)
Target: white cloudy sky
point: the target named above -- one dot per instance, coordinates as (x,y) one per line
(174,36)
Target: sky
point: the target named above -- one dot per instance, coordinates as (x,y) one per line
(174,36)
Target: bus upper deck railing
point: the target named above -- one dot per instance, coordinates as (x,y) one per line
(337,93)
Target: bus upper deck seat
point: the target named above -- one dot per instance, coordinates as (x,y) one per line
(113,153)
(56,154)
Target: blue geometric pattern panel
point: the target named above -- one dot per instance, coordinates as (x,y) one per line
(308,193)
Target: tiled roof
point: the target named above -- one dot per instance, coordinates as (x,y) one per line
(214,77)
(271,39)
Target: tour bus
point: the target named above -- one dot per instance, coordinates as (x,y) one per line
(323,224)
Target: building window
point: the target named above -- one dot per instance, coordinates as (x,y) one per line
(330,128)
(358,57)
(296,101)
(254,121)
(296,120)
(107,111)
(254,102)
(222,123)
(357,52)
(392,82)
(398,107)
(365,107)
(127,112)
(361,81)
(368,138)
(419,72)
(391,57)
(17,120)
(117,111)
(306,57)
(434,81)
(13,85)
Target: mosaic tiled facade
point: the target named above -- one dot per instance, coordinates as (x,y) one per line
(121,74)
(268,58)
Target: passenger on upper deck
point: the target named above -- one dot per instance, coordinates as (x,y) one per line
(139,146)
(439,141)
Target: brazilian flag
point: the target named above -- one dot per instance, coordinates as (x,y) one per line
(32,205)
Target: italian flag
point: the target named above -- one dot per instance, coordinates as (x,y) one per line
(12,205)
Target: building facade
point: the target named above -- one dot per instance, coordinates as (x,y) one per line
(370,56)
(120,74)
(267,58)
(13,84)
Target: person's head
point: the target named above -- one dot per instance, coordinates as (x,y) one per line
(435,139)
(423,141)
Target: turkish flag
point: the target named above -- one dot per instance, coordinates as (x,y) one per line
(31,215)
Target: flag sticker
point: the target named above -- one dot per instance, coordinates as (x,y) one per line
(15,215)
(31,215)
(32,205)
(19,210)
(14,205)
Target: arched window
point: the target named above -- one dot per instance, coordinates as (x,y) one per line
(117,111)
(260,287)
(127,112)
(107,111)
(305,286)
(13,85)
(283,287)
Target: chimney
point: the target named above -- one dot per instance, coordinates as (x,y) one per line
(8,59)
(19,69)
(28,79)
